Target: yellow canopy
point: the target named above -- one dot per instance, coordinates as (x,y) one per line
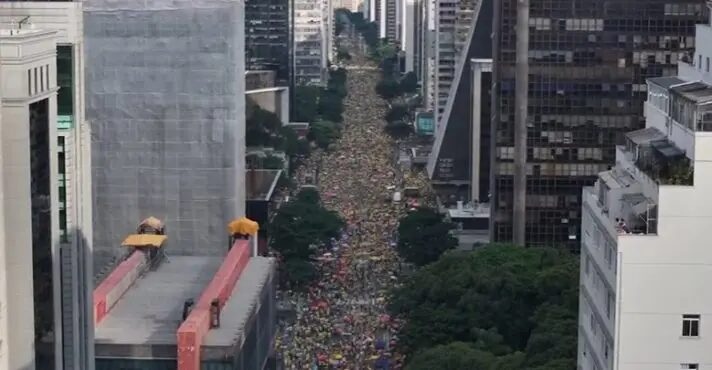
(152,222)
(244,226)
(144,240)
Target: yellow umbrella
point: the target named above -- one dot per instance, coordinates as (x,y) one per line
(243,226)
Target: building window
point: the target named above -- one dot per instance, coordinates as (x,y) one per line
(689,366)
(594,328)
(691,326)
(609,305)
(588,265)
(708,64)
(699,63)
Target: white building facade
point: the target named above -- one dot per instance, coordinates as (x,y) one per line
(410,33)
(313,41)
(644,254)
(71,150)
(428,47)
(28,220)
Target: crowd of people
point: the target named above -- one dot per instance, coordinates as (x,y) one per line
(341,321)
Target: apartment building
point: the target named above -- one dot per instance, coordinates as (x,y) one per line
(428,36)
(411,34)
(644,257)
(392,19)
(313,41)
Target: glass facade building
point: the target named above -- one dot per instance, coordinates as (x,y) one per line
(268,37)
(588,62)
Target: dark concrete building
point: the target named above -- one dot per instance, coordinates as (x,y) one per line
(588,63)
(268,36)
(459,162)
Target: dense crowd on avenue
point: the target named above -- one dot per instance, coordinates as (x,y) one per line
(341,320)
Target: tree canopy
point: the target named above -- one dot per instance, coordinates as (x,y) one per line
(261,127)
(397,112)
(455,355)
(518,304)
(302,224)
(409,83)
(323,133)
(423,236)
(306,103)
(388,88)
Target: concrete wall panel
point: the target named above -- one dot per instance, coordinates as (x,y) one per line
(165,86)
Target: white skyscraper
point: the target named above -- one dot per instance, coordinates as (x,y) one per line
(28,220)
(313,41)
(72,276)
(644,253)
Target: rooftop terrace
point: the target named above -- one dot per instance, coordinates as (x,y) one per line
(144,321)
(143,318)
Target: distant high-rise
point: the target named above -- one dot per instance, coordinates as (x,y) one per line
(313,41)
(588,62)
(458,165)
(453,21)
(267,36)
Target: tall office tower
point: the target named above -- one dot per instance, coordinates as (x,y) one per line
(382,18)
(458,165)
(453,22)
(391,23)
(410,35)
(71,279)
(28,207)
(267,36)
(312,42)
(429,50)
(588,62)
(329,20)
(374,10)
(166,102)
(645,230)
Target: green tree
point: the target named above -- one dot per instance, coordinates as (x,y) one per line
(453,356)
(324,133)
(388,88)
(343,54)
(398,129)
(331,105)
(293,145)
(261,127)
(409,83)
(299,227)
(272,162)
(299,273)
(397,112)
(423,236)
(309,195)
(520,304)
(306,103)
